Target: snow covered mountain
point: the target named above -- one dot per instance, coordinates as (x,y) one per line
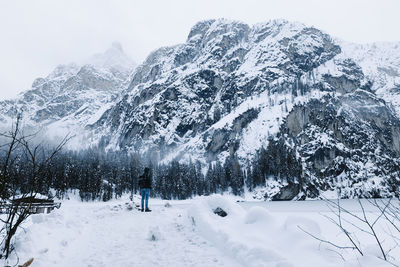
(326,111)
(182,98)
(232,89)
(67,99)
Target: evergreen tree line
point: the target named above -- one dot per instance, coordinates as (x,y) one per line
(106,175)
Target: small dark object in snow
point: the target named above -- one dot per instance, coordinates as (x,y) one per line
(116,208)
(167,205)
(154,234)
(26,264)
(220,212)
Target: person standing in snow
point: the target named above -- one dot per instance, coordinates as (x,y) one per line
(145,186)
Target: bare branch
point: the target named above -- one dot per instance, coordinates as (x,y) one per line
(373,230)
(341,256)
(325,241)
(388,212)
(334,204)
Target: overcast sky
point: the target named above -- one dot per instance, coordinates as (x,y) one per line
(35,36)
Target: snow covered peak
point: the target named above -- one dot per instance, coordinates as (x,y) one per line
(278,23)
(200,28)
(380,63)
(374,54)
(113,58)
(209,28)
(63,71)
(117,45)
(277,29)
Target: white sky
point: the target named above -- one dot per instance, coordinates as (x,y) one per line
(35,36)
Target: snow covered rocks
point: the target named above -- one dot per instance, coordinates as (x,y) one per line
(257,215)
(220,212)
(242,235)
(129,206)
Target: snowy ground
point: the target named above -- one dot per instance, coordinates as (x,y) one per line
(189,234)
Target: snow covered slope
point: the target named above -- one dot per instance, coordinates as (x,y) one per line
(380,62)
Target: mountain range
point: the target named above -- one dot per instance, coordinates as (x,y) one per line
(230,90)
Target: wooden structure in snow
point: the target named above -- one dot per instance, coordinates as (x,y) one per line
(35,205)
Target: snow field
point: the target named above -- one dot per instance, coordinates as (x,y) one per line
(253,236)
(268,233)
(108,234)
(188,233)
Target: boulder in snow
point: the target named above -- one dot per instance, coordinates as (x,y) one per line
(220,212)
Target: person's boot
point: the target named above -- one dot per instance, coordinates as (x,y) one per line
(141,210)
(147,210)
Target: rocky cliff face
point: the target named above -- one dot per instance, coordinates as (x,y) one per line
(346,144)
(201,89)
